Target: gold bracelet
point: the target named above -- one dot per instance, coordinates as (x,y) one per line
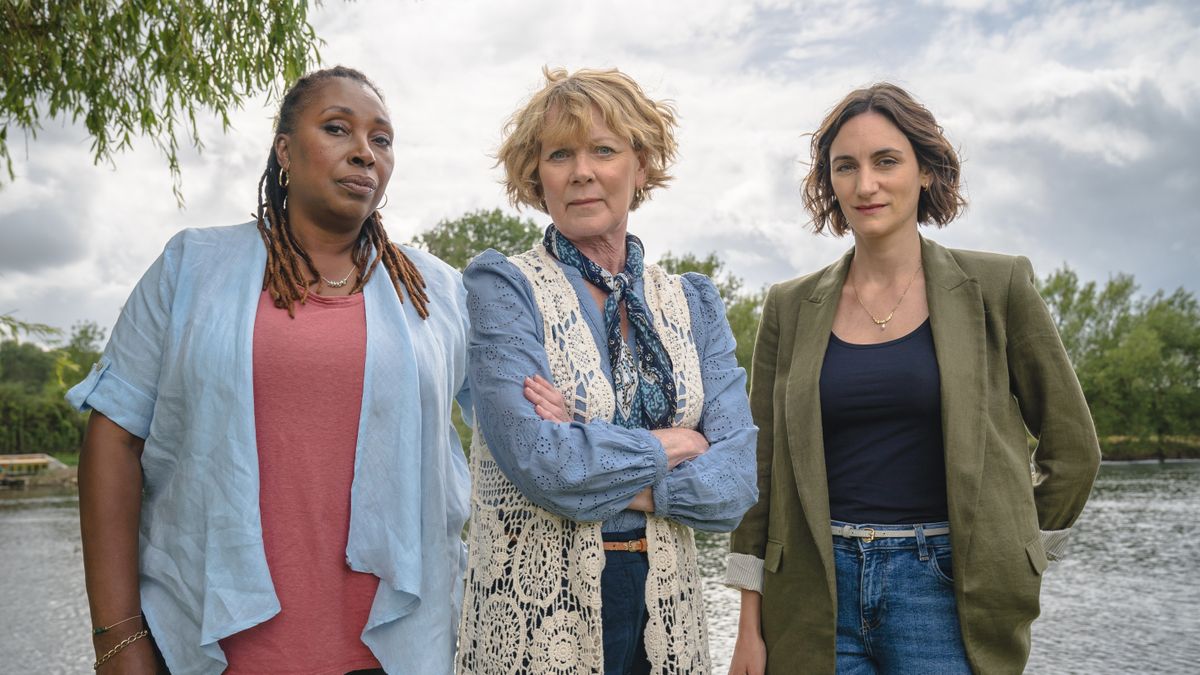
(120,645)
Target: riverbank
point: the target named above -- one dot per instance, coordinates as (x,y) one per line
(1129,449)
(1112,449)
(1124,600)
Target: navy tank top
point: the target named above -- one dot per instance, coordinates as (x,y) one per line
(881,413)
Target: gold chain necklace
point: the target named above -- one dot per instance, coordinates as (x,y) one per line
(882,323)
(338,284)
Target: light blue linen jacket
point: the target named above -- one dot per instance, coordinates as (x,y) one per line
(177,372)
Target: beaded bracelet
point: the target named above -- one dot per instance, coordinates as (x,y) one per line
(120,645)
(100,630)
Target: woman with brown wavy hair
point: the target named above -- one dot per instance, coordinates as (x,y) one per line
(898,529)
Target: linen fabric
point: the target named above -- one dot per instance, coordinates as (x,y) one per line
(644,388)
(177,372)
(607,464)
(308,376)
(1003,370)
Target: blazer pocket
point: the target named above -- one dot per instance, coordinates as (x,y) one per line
(774,556)
(1037,555)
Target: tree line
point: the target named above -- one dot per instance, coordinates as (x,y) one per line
(1137,356)
(34,417)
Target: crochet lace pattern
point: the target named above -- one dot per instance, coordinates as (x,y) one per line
(532,602)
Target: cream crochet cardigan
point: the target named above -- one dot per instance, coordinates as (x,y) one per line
(532,601)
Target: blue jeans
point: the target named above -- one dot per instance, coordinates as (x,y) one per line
(896,610)
(623,607)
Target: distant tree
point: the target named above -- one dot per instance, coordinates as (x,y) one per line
(1138,358)
(743,309)
(458,240)
(85,342)
(143,68)
(37,423)
(26,365)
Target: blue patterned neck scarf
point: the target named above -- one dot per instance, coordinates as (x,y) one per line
(645,386)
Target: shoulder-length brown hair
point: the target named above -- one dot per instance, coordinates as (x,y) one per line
(940,204)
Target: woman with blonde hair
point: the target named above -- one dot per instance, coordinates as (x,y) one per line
(612,416)
(898,529)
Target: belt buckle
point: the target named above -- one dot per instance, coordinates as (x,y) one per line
(631,546)
(870,535)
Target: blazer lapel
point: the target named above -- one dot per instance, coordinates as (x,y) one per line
(814,322)
(956,315)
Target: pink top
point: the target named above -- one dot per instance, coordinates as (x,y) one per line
(308,378)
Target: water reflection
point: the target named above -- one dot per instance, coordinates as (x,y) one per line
(1126,601)
(43,610)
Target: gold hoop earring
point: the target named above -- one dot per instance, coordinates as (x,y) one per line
(384,204)
(283,178)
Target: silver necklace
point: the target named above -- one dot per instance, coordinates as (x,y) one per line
(344,280)
(882,323)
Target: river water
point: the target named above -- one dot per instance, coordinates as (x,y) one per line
(1126,601)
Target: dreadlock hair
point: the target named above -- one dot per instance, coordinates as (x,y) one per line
(290,270)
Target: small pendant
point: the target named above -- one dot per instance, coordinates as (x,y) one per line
(883,326)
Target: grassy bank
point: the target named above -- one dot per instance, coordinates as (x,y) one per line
(1126,448)
(68,458)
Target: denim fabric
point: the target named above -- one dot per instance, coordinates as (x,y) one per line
(896,609)
(623,607)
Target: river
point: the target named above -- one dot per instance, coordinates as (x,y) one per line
(1126,601)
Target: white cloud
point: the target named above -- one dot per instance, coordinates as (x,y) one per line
(1074,119)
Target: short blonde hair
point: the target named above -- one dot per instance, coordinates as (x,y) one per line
(648,126)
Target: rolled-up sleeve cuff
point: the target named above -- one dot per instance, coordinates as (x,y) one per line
(1054,542)
(104,391)
(744,571)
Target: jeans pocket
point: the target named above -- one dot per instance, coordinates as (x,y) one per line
(942,566)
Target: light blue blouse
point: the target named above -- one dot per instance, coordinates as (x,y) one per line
(589,472)
(177,372)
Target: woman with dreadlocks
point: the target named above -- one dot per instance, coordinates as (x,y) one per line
(270,481)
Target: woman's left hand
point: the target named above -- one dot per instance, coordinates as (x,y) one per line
(547,400)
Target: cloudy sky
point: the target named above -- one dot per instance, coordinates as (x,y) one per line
(1079,124)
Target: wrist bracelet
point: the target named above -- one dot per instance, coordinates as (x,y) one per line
(100,630)
(120,645)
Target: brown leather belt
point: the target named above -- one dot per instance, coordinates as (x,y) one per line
(632,546)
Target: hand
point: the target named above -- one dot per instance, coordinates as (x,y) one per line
(749,651)
(749,656)
(547,400)
(681,444)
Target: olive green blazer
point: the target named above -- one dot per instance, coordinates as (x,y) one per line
(1003,371)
